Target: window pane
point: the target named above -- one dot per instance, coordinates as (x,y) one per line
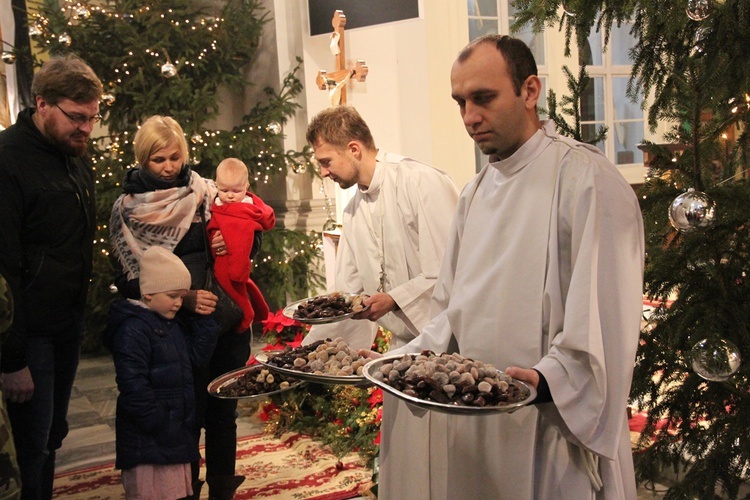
(627,136)
(482,7)
(621,41)
(588,132)
(535,41)
(481,27)
(591,53)
(625,109)
(592,100)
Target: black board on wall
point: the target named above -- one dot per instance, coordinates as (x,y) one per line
(359,13)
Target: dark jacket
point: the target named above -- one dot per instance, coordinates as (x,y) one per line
(46,236)
(154,360)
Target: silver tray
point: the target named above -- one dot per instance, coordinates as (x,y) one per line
(262,358)
(229,378)
(451,409)
(289,310)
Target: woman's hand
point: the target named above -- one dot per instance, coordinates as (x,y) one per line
(200,301)
(217,243)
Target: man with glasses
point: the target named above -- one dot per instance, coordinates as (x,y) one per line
(46,248)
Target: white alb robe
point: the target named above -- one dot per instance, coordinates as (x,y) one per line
(417,206)
(543,269)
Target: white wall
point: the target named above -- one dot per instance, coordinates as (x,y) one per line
(406,96)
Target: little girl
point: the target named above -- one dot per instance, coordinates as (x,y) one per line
(155,347)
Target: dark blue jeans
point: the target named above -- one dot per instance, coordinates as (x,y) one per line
(40,425)
(219,416)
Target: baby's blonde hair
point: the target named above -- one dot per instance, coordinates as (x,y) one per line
(232,169)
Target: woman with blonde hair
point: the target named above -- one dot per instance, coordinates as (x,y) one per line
(165,203)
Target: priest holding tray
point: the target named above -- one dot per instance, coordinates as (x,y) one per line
(392,243)
(542,274)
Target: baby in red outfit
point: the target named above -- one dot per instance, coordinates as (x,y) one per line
(238,214)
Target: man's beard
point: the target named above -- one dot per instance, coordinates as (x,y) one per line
(70,149)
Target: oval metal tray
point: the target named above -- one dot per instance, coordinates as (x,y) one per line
(451,409)
(229,378)
(289,310)
(263,359)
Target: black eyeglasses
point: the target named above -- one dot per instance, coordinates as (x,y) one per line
(79,119)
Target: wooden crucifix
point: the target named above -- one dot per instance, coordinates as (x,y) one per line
(335,82)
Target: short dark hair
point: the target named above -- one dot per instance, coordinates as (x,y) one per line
(517,55)
(66,77)
(338,126)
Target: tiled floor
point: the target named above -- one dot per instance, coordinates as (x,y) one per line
(91,440)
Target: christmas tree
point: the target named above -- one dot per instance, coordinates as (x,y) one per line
(689,376)
(172,58)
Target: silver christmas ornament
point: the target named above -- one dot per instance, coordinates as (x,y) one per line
(715,359)
(35,30)
(64,39)
(168,70)
(8,57)
(692,210)
(196,138)
(274,127)
(82,13)
(108,99)
(113,288)
(299,168)
(698,10)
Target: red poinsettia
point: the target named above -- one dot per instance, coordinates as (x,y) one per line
(267,411)
(376,397)
(278,330)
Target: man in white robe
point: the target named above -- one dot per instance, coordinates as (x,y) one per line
(393,239)
(542,274)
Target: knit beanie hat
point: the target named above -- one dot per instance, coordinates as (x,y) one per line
(162,271)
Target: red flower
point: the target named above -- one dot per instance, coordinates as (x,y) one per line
(338,421)
(277,321)
(377,439)
(379,414)
(274,347)
(268,411)
(375,398)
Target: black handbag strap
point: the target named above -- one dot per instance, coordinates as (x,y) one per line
(206,246)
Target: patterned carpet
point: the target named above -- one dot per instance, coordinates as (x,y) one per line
(291,467)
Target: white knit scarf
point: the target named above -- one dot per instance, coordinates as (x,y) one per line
(160,217)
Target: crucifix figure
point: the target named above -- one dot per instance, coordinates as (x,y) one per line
(335,82)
